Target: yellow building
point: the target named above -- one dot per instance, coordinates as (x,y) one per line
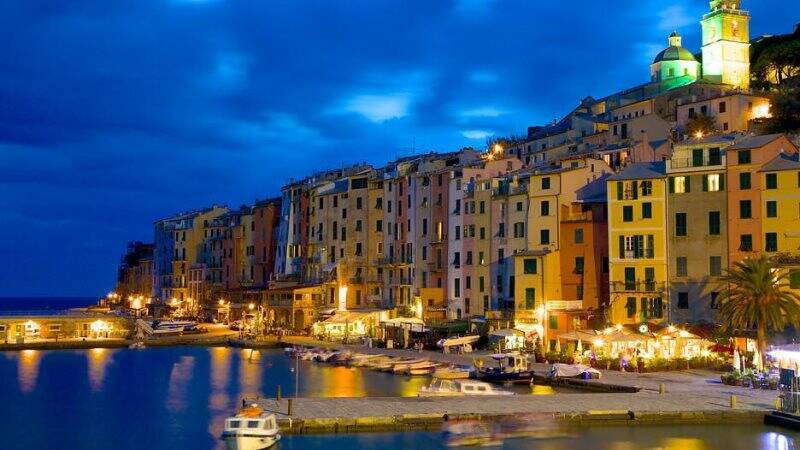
(780,212)
(637,224)
(537,294)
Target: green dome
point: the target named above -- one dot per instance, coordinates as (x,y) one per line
(673,53)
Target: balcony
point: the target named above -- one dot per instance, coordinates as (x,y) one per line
(402,281)
(638,286)
(646,253)
(356,280)
(391,261)
(435,266)
(696,163)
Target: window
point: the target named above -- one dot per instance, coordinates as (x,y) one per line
(722,107)
(772,208)
(680,224)
(579,292)
(544,237)
(545,208)
(647,188)
(771,242)
(743,156)
(578,236)
(545,183)
(457,287)
(712,182)
(697,157)
(772,181)
(519,206)
(745,209)
(529,265)
(794,279)
(627,213)
(679,185)
(579,264)
(630,306)
(530,298)
(713,223)
(553,322)
(681,266)
(715,266)
(744,181)
(379,226)
(683,300)
(647,210)
(746,242)
(713,300)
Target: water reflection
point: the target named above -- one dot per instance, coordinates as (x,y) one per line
(179,379)
(28,370)
(250,368)
(98,359)
(684,443)
(219,402)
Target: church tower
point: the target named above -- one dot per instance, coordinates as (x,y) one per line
(726,44)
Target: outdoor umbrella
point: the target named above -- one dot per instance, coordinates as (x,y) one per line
(558,346)
(579,347)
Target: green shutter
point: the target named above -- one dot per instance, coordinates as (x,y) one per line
(671,185)
(722,182)
(651,244)
(635,190)
(620,188)
(705,183)
(688,184)
(622,247)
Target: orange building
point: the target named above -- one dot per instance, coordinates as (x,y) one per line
(745,158)
(584,258)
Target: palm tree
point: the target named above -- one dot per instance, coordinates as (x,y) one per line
(758,297)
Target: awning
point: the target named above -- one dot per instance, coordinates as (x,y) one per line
(506,332)
(458,341)
(345,317)
(578,335)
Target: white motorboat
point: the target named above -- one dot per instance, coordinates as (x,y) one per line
(167,327)
(454,388)
(250,429)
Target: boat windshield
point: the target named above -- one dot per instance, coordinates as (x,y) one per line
(234,423)
(253,424)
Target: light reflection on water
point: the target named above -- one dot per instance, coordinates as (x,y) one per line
(177,398)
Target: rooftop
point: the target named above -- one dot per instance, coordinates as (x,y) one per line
(751,142)
(641,171)
(784,161)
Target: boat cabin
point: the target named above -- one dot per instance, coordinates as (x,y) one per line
(251,423)
(512,362)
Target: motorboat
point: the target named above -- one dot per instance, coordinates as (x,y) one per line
(361,360)
(457,388)
(138,345)
(170,327)
(510,368)
(251,429)
(451,373)
(404,366)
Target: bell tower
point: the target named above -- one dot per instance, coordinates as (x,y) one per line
(726,44)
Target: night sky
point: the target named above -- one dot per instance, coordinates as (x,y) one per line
(116,113)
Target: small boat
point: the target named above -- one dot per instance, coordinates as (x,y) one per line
(361,360)
(421,372)
(457,388)
(511,368)
(250,429)
(451,373)
(402,365)
(138,345)
(170,327)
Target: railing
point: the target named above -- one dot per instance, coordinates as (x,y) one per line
(435,265)
(646,253)
(578,217)
(683,163)
(356,280)
(637,286)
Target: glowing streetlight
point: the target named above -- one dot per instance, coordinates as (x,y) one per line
(699,135)
(251,306)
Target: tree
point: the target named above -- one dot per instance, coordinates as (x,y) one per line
(758,298)
(701,123)
(785,109)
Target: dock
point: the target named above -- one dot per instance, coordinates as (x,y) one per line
(348,415)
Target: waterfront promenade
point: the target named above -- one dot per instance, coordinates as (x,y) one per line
(692,396)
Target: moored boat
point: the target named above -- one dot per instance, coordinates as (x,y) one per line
(457,388)
(250,429)
(510,368)
(451,373)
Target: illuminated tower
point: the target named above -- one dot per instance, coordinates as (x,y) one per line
(726,44)
(674,66)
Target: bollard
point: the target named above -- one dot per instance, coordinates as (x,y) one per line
(278,395)
(289,408)
(733,401)
(777,403)
(662,388)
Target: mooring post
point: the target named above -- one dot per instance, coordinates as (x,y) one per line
(662,388)
(733,401)
(289,407)
(278,394)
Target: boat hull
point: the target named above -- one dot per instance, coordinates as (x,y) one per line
(249,442)
(506,377)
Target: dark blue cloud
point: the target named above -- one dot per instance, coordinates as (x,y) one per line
(114,113)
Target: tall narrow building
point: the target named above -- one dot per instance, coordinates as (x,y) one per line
(726,44)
